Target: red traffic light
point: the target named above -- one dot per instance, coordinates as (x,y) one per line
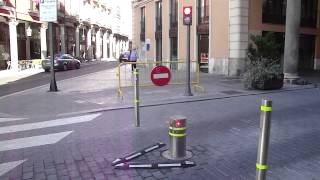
(187,15)
(187,10)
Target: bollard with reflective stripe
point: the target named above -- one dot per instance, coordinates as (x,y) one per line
(177,136)
(265,123)
(177,139)
(136,98)
(180,164)
(138,153)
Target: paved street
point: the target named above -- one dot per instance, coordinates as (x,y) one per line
(222,134)
(44,78)
(77,132)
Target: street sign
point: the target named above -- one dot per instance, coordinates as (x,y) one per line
(48,10)
(160,75)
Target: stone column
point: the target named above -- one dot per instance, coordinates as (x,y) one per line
(28,56)
(105,45)
(43,40)
(238,36)
(89,37)
(111,46)
(98,45)
(13,45)
(88,53)
(291,50)
(118,48)
(77,41)
(62,38)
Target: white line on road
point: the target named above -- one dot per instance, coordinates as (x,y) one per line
(11,119)
(6,167)
(47,124)
(32,141)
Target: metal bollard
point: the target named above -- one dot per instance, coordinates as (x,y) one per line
(177,138)
(136,98)
(265,124)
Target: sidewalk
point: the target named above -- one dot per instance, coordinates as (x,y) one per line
(98,92)
(7,76)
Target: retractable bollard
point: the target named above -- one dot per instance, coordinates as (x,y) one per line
(265,124)
(177,137)
(136,98)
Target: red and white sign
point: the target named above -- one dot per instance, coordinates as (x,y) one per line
(160,75)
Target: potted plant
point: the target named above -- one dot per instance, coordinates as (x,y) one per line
(264,70)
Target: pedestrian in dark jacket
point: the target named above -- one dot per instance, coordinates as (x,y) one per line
(133,57)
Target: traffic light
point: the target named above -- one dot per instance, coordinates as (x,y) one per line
(187,15)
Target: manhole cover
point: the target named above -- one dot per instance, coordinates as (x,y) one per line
(231,92)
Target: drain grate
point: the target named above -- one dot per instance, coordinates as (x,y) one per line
(231,92)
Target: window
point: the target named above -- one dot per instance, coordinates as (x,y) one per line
(173,13)
(142,20)
(309,13)
(158,16)
(203,8)
(274,11)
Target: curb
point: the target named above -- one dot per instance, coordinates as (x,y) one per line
(183,100)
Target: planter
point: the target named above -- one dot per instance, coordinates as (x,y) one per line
(269,83)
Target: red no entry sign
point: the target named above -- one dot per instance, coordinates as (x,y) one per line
(160,75)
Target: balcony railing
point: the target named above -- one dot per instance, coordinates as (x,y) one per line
(203,14)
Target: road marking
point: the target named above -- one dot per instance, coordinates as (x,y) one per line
(80,101)
(11,119)
(32,141)
(47,124)
(6,167)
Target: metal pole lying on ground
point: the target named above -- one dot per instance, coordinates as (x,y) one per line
(136,98)
(138,153)
(179,164)
(265,125)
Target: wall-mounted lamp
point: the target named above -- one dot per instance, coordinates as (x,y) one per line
(29,31)
(83,36)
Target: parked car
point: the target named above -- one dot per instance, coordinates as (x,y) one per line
(124,56)
(61,62)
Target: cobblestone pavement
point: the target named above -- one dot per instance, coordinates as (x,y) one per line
(222,134)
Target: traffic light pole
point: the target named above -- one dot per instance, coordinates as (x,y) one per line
(188,84)
(53,83)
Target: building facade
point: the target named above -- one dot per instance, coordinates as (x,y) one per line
(84,28)
(220,31)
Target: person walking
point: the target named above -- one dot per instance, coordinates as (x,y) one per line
(133,57)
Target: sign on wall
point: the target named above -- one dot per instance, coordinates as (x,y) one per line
(48,10)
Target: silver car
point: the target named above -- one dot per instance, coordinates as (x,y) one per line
(61,62)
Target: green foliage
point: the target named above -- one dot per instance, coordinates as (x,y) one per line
(265,48)
(263,61)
